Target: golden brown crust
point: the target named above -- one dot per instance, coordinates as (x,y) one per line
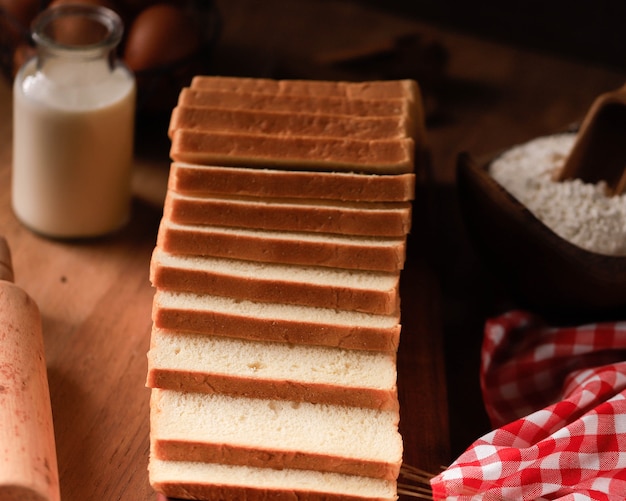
(205,180)
(292,95)
(293,331)
(204,491)
(263,247)
(375,89)
(206,382)
(240,455)
(289,124)
(303,104)
(393,156)
(392,221)
(256,288)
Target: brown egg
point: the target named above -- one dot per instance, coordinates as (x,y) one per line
(75,31)
(103,3)
(137,5)
(160,35)
(21,54)
(15,18)
(109,4)
(21,10)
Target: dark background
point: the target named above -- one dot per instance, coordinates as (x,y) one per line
(587,30)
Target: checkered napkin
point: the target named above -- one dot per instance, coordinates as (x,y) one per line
(556,397)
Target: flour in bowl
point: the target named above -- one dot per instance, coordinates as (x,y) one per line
(581,213)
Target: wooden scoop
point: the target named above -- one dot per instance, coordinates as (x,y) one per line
(599,153)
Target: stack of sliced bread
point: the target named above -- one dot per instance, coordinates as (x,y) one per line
(276,316)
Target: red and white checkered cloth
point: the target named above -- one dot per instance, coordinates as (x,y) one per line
(556,397)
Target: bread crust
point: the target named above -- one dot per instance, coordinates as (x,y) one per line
(295,331)
(392,156)
(257,288)
(223,453)
(225,482)
(198,491)
(359,338)
(375,89)
(208,118)
(265,247)
(195,179)
(394,221)
(207,382)
(326,105)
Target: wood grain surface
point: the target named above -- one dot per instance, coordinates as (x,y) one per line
(95,296)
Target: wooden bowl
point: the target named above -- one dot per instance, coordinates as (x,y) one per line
(541,270)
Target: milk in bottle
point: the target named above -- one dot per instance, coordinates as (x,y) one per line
(73,115)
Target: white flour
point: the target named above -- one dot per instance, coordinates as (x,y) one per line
(580,213)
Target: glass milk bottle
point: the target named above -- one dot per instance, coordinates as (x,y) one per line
(73,123)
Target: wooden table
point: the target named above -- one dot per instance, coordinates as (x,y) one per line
(95,296)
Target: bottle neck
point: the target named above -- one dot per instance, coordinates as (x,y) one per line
(76,43)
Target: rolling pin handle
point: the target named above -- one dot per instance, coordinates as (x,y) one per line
(28,462)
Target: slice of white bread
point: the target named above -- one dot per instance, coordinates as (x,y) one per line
(385,156)
(343,218)
(301,104)
(294,324)
(290,124)
(212,364)
(366,291)
(227,352)
(270,433)
(371,98)
(194,480)
(202,180)
(375,89)
(287,247)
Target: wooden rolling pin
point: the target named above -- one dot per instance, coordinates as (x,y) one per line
(28,462)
